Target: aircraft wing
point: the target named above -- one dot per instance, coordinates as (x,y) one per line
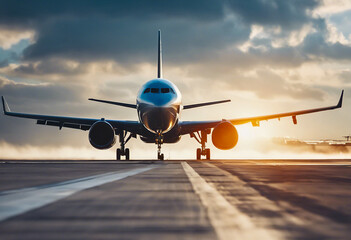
(191,126)
(72,122)
(114,103)
(204,104)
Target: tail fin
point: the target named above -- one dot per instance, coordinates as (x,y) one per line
(159,65)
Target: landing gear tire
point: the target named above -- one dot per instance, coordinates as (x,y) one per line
(198,154)
(123,139)
(208,154)
(118,154)
(127,154)
(161,157)
(201,137)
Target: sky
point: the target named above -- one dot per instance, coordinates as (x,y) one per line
(267,56)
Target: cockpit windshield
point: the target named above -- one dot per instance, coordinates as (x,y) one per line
(157,90)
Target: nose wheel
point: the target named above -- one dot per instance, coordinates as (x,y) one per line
(201,137)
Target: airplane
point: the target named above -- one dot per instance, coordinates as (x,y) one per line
(159,106)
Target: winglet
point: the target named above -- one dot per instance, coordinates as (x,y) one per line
(5,106)
(340,100)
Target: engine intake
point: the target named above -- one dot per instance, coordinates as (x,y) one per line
(225,136)
(102,135)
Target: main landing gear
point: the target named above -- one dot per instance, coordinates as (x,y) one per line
(201,137)
(159,141)
(123,139)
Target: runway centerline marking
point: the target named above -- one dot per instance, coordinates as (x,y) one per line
(226,219)
(19,201)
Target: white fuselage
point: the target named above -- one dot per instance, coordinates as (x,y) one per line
(159,103)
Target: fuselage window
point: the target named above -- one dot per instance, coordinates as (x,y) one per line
(155,90)
(164,90)
(147,90)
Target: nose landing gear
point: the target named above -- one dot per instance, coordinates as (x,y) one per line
(122,151)
(159,141)
(201,137)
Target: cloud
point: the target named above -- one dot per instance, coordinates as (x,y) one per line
(34,12)
(71,34)
(129,41)
(51,66)
(345,76)
(263,82)
(330,7)
(272,12)
(35,99)
(10,37)
(91,30)
(41,92)
(287,14)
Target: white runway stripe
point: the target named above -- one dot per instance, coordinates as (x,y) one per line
(19,201)
(227,220)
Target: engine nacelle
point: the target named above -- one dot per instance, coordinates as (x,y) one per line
(225,136)
(102,135)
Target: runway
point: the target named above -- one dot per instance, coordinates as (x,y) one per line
(217,199)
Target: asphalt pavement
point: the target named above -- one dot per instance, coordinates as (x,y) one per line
(217,199)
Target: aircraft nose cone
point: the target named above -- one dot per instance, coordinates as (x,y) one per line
(159,119)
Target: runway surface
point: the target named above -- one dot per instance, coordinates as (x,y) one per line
(217,199)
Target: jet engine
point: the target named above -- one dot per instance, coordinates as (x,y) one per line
(102,135)
(224,136)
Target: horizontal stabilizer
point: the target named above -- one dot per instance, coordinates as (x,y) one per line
(114,103)
(5,106)
(205,104)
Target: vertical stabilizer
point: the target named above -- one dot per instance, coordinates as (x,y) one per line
(159,65)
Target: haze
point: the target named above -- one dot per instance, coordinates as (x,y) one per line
(266,56)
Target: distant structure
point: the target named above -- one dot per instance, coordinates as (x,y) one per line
(321,146)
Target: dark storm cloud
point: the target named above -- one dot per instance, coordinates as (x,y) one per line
(31,13)
(127,40)
(315,44)
(272,12)
(287,14)
(125,30)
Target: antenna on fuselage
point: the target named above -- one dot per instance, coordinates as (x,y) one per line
(159,65)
